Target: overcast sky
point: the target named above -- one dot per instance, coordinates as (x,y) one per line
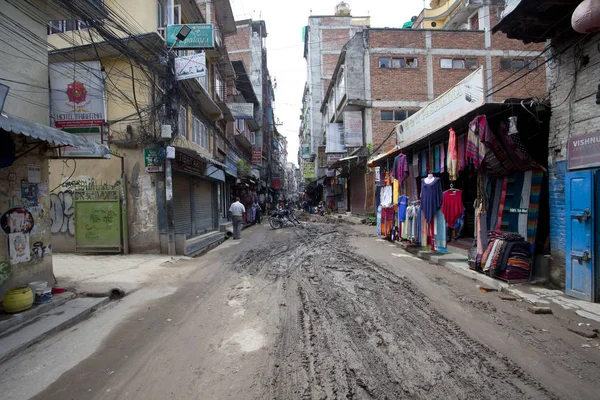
(284,20)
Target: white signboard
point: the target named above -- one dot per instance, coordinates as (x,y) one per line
(189,67)
(353,128)
(241,110)
(463,98)
(77,95)
(335,138)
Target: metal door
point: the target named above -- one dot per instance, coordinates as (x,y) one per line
(182,210)
(203,206)
(580,234)
(98,221)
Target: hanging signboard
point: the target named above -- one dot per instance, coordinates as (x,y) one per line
(257,155)
(241,110)
(275,181)
(309,170)
(231,161)
(322,157)
(353,129)
(189,164)
(463,98)
(189,67)
(335,138)
(331,158)
(152,160)
(584,151)
(201,36)
(306,151)
(92,133)
(76,95)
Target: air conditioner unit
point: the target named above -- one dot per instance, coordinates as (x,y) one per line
(166,131)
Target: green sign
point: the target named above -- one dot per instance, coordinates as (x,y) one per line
(98,224)
(200,37)
(152,160)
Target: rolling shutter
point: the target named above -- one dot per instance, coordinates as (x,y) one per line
(182,210)
(203,206)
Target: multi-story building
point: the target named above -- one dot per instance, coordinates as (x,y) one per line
(573,142)
(324,37)
(384,75)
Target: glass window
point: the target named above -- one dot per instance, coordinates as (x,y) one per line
(446,63)
(411,112)
(384,62)
(458,63)
(397,62)
(471,63)
(505,64)
(199,133)
(387,115)
(518,64)
(182,121)
(532,64)
(475,22)
(399,115)
(411,62)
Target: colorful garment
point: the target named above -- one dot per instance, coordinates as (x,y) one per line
(452,206)
(452,160)
(431,198)
(402,206)
(478,140)
(400,168)
(395,191)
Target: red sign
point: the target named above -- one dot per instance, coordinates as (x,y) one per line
(276,181)
(584,151)
(257,155)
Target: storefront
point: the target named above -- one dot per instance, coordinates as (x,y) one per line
(350,174)
(470,175)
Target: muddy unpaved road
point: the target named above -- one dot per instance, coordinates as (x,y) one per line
(349,329)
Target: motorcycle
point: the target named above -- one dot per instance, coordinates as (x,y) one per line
(321,209)
(280,216)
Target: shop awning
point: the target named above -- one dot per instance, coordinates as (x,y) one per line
(382,157)
(21,126)
(344,162)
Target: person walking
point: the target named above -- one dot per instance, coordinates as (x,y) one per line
(236,210)
(257,212)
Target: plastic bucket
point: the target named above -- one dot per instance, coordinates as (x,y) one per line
(37,285)
(42,296)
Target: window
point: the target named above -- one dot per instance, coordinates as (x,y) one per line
(219,87)
(446,63)
(182,121)
(200,134)
(474,22)
(398,62)
(396,115)
(471,63)
(458,63)
(507,64)
(384,62)
(61,26)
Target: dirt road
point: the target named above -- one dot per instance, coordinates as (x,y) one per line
(304,314)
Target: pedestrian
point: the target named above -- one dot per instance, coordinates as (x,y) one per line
(236,210)
(257,210)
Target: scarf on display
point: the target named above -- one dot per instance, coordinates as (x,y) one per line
(452,160)
(478,140)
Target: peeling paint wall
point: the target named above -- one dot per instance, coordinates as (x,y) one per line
(26,248)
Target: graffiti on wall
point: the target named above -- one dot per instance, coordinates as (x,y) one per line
(5,271)
(62,213)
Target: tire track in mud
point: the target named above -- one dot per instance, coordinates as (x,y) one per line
(350,329)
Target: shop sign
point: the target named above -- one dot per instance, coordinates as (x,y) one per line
(518,210)
(463,98)
(257,155)
(231,161)
(584,151)
(335,138)
(189,67)
(309,170)
(241,110)
(306,151)
(331,158)
(275,181)
(76,94)
(377,174)
(92,133)
(353,128)
(152,160)
(189,164)
(201,36)
(322,157)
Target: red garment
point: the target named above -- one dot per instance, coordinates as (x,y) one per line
(452,206)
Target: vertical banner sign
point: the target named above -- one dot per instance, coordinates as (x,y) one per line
(353,129)
(306,151)
(335,138)
(377,174)
(322,157)
(276,181)
(309,170)
(257,155)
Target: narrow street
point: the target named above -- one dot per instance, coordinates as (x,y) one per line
(321,311)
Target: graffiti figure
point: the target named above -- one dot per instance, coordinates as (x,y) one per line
(62,213)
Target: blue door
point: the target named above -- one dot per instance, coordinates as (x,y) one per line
(580,234)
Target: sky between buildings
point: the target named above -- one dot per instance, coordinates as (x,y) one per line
(284,20)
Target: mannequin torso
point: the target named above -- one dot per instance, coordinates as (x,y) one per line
(429,179)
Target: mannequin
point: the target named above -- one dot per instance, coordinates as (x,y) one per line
(429,179)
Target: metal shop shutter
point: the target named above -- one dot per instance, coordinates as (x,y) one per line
(357,191)
(203,206)
(182,209)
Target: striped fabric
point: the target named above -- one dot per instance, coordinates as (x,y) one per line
(525,198)
(537,177)
(501,204)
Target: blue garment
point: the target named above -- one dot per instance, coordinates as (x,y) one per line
(379,220)
(402,204)
(431,198)
(419,223)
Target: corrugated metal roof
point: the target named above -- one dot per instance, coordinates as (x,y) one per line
(21,126)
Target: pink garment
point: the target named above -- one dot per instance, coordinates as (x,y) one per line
(452,161)
(442,158)
(460,144)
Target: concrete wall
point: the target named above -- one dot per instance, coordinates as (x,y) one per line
(573,88)
(36,244)
(67,176)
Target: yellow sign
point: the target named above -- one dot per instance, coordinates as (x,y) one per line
(309,170)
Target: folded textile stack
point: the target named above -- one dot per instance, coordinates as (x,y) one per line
(493,255)
(517,262)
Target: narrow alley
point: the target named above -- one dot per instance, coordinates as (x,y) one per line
(313,312)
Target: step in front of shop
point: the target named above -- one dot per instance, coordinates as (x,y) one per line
(196,245)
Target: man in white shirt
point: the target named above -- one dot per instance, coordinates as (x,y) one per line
(236,210)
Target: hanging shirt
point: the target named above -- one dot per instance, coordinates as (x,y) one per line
(452,206)
(396,191)
(400,169)
(431,198)
(402,205)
